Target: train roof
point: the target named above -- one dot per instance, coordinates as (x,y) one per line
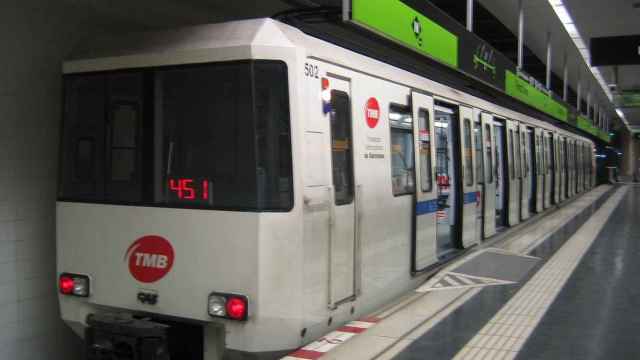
(177,46)
(242,39)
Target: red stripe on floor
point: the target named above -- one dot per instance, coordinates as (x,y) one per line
(370,319)
(307,354)
(352,329)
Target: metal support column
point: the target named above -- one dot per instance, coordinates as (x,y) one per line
(549,63)
(470,15)
(520,34)
(579,103)
(589,105)
(565,79)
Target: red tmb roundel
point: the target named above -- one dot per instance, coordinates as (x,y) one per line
(372,112)
(150,258)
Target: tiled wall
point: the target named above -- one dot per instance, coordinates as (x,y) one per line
(33,37)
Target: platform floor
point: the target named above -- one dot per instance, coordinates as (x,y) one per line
(565,287)
(578,302)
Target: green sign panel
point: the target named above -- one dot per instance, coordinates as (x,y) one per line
(419,25)
(396,20)
(585,124)
(627,99)
(525,92)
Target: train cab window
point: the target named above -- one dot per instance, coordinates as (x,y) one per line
(341,147)
(477,131)
(210,136)
(124,128)
(426,183)
(402,157)
(468,153)
(488,153)
(511,154)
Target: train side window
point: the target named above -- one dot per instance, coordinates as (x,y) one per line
(488,152)
(425,151)
(511,160)
(341,147)
(402,153)
(479,155)
(468,153)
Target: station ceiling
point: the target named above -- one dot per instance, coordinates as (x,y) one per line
(596,18)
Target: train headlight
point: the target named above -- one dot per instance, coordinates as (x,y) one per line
(217,306)
(228,306)
(73,284)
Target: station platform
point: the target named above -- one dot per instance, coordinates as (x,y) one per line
(562,286)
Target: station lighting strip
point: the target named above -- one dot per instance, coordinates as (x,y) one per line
(574,34)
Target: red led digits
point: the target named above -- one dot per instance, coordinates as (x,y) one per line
(176,185)
(205,189)
(186,186)
(189,189)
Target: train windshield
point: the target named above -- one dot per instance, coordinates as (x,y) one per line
(213,136)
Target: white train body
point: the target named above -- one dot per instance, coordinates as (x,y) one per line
(310,268)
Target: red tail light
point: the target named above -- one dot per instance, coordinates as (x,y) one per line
(237,308)
(66,285)
(229,306)
(72,284)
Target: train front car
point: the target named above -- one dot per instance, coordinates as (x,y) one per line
(176,217)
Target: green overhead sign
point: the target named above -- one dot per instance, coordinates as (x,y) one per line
(627,99)
(527,93)
(420,26)
(394,19)
(586,125)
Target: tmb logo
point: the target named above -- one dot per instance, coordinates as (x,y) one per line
(372,112)
(150,258)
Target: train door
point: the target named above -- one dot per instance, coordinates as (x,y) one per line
(567,166)
(562,167)
(550,170)
(545,169)
(424,248)
(580,153)
(342,238)
(569,169)
(539,169)
(479,173)
(589,154)
(489,184)
(501,174)
(574,170)
(513,215)
(556,169)
(468,181)
(448,219)
(533,178)
(526,174)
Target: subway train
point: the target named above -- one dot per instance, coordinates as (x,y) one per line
(237,190)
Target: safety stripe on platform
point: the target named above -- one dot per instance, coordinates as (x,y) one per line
(320,347)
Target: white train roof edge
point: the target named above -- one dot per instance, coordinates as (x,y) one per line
(262,38)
